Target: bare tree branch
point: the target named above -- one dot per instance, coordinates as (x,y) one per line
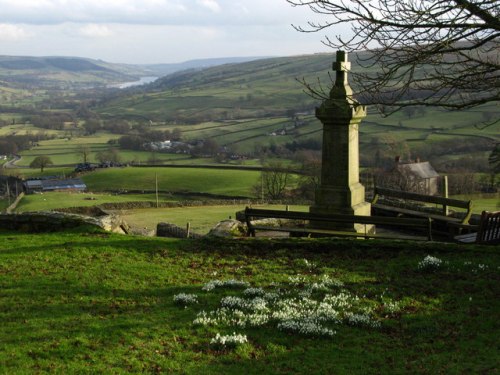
(442,53)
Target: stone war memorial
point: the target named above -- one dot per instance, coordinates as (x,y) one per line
(340,191)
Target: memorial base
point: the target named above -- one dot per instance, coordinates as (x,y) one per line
(333,200)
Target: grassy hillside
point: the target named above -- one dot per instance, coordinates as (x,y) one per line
(253,89)
(80,302)
(258,106)
(59,72)
(242,104)
(212,181)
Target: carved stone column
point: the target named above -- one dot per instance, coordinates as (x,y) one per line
(340,190)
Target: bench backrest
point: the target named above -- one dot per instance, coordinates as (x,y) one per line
(336,218)
(422,197)
(445,202)
(489,227)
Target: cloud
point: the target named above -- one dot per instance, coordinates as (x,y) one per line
(95,31)
(12,32)
(147,12)
(211,5)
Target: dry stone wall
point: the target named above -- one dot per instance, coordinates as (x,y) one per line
(56,221)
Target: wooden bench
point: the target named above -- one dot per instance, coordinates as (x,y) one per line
(422,202)
(486,232)
(306,226)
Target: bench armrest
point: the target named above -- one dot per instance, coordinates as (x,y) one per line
(458,226)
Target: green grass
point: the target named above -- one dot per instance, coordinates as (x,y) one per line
(482,202)
(78,302)
(200,218)
(213,181)
(55,200)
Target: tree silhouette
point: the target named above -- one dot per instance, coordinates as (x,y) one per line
(429,52)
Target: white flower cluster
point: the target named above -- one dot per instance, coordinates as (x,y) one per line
(185,299)
(309,306)
(308,327)
(362,320)
(475,268)
(228,340)
(254,304)
(211,285)
(310,266)
(429,263)
(302,315)
(323,282)
(392,307)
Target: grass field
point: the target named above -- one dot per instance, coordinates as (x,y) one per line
(483,202)
(80,302)
(55,200)
(200,218)
(213,181)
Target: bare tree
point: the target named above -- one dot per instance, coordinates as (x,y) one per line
(84,152)
(275,179)
(428,52)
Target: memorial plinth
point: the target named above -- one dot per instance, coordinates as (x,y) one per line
(340,190)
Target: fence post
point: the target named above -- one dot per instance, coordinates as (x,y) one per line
(188,229)
(445,195)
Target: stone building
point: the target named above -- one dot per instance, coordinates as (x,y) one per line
(414,176)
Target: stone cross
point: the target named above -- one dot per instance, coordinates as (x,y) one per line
(340,190)
(342,66)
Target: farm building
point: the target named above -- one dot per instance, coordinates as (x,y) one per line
(416,177)
(35,186)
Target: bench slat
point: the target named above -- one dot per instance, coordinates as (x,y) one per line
(422,197)
(253,213)
(488,230)
(404,195)
(417,213)
(335,233)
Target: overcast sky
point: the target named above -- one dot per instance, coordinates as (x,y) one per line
(154,31)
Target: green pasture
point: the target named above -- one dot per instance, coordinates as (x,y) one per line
(92,302)
(22,129)
(55,200)
(64,151)
(146,157)
(482,202)
(212,181)
(200,218)
(35,173)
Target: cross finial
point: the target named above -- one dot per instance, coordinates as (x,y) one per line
(341,66)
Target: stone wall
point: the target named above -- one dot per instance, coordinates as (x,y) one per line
(173,231)
(56,221)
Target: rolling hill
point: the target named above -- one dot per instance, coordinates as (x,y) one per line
(258,102)
(55,72)
(19,72)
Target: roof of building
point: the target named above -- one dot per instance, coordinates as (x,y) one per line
(74,183)
(32,184)
(419,169)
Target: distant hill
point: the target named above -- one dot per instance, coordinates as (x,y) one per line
(75,72)
(166,69)
(259,88)
(57,72)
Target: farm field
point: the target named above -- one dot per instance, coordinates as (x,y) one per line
(80,302)
(249,135)
(55,200)
(483,202)
(211,181)
(200,218)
